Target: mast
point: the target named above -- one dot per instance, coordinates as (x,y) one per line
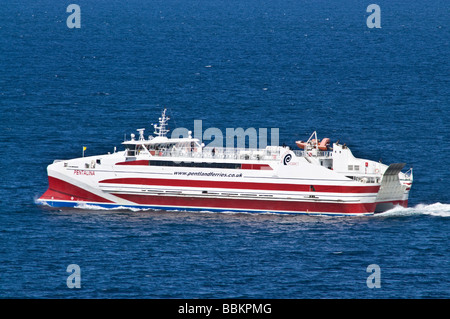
(161,130)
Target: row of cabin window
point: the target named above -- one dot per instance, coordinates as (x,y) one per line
(194,164)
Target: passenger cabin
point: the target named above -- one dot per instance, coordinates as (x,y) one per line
(157,146)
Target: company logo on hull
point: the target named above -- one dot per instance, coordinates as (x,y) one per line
(287,159)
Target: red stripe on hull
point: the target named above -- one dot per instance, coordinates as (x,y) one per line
(243,185)
(142,162)
(243,166)
(256,166)
(61,190)
(251,204)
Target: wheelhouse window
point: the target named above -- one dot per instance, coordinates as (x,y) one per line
(131,150)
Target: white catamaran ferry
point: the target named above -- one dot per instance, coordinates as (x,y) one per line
(181,174)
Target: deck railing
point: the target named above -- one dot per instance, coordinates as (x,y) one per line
(273,153)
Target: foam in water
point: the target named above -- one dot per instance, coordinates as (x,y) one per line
(96,207)
(435,209)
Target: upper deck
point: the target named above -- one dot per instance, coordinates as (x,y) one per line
(270,153)
(188,147)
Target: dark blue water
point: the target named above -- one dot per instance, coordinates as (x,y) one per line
(298,66)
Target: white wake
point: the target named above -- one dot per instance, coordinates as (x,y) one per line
(435,209)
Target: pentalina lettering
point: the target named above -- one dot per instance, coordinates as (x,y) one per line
(83,172)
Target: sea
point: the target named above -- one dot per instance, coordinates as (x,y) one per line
(377,80)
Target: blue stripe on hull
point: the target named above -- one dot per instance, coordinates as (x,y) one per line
(63,204)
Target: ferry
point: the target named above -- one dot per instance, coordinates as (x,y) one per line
(181,174)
